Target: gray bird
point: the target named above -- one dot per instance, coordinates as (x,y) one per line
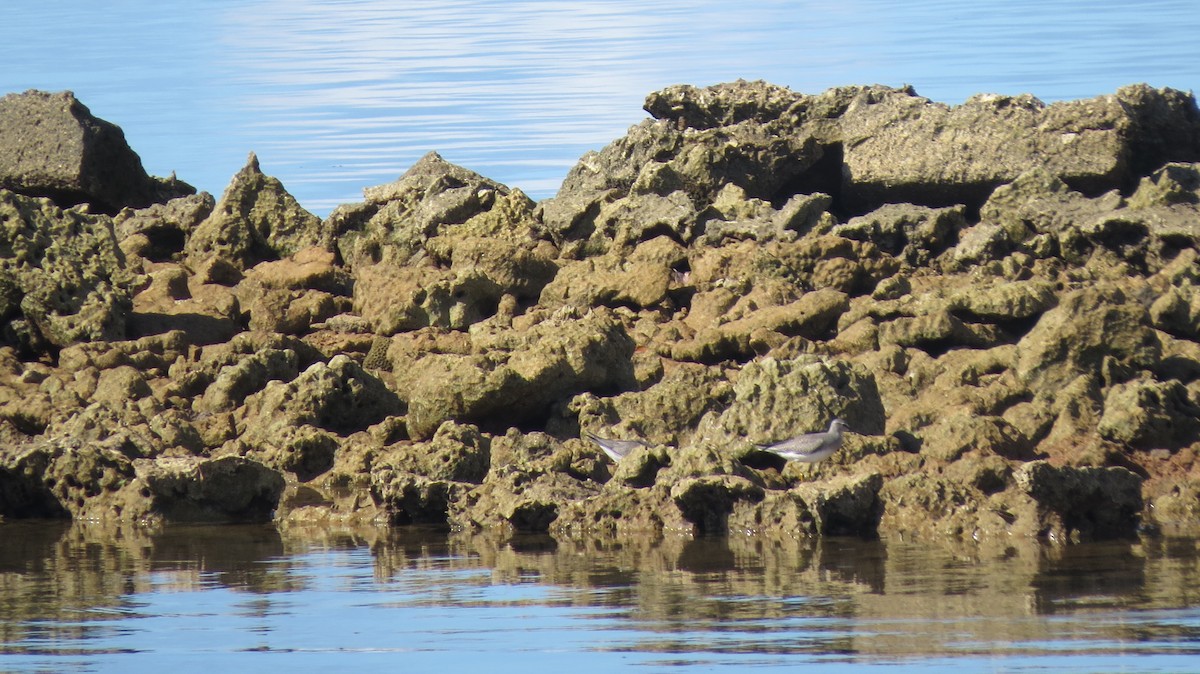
(810,447)
(616,449)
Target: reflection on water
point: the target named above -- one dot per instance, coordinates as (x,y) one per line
(338,96)
(80,596)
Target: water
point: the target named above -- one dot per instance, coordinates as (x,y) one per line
(338,95)
(87,598)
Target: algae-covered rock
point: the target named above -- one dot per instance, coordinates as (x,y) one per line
(1089,327)
(513,377)
(254,220)
(777,399)
(1147,414)
(62,276)
(197,489)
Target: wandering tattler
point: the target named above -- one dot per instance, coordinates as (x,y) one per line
(810,447)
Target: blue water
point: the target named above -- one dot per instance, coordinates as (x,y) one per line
(85,598)
(338,95)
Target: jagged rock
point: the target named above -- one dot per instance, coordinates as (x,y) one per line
(456,453)
(1082,503)
(515,500)
(175,301)
(812,316)
(413,499)
(1146,414)
(663,413)
(255,220)
(915,234)
(708,500)
(516,376)
(738,217)
(937,332)
(195,489)
(952,436)
(844,505)
(52,146)
(159,232)
(1093,145)
(1091,331)
(62,277)
(643,279)
(238,380)
(338,396)
(777,399)
(442,247)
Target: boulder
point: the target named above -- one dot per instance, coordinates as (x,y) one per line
(515,376)
(196,489)
(255,220)
(777,399)
(63,279)
(1096,330)
(52,146)
(1148,414)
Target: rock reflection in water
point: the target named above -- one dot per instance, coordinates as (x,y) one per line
(80,589)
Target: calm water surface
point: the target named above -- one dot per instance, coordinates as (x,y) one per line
(84,598)
(338,95)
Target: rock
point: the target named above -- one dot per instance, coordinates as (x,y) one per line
(1088,328)
(159,232)
(255,220)
(457,453)
(62,277)
(195,489)
(518,376)
(666,412)
(412,499)
(643,279)
(52,146)
(174,301)
(338,396)
(441,247)
(845,506)
(813,315)
(707,501)
(938,332)
(514,500)
(1083,503)
(1093,145)
(1148,414)
(952,436)
(915,234)
(777,399)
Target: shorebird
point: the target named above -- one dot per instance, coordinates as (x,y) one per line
(616,449)
(810,447)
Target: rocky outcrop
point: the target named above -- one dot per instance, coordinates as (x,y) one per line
(52,146)
(1000,298)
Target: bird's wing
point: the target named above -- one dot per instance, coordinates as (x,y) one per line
(616,449)
(803,444)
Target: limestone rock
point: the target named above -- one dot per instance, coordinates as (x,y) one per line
(1147,414)
(52,146)
(1087,503)
(1088,328)
(195,489)
(254,220)
(517,376)
(63,279)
